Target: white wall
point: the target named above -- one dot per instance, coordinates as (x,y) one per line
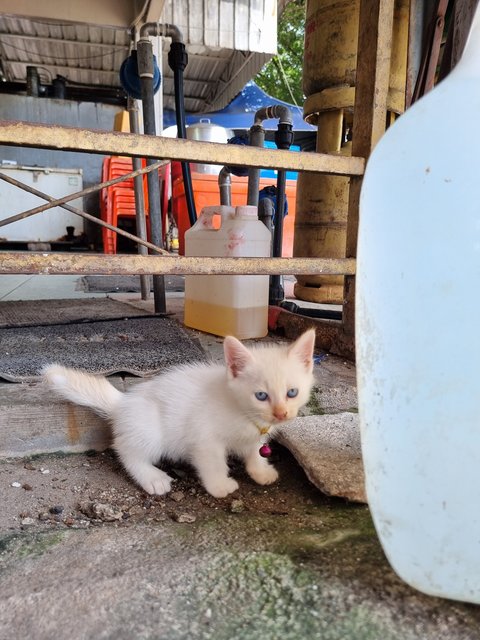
(87,115)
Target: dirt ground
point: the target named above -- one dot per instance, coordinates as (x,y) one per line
(85,554)
(91,489)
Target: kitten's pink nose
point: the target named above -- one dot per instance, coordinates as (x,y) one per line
(280,413)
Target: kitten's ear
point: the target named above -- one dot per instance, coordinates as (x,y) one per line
(303,347)
(237,356)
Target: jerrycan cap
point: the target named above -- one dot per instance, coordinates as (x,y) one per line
(246,211)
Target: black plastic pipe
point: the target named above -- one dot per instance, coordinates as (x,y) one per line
(323,314)
(257,138)
(283,140)
(276,291)
(177,61)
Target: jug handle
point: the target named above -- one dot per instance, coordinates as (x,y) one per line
(207,215)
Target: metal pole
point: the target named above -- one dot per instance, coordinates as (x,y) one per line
(145,70)
(139,199)
(125,264)
(256,139)
(25,134)
(225,187)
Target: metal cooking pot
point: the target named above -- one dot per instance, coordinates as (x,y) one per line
(205,131)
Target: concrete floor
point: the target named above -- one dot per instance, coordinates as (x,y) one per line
(85,555)
(20,287)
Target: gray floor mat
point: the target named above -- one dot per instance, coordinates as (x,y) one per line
(127,284)
(140,346)
(24,313)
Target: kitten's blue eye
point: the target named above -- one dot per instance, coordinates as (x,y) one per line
(292,393)
(261,395)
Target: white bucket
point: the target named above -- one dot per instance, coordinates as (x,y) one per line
(235,304)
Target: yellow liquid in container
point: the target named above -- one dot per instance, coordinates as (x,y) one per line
(228,304)
(225,321)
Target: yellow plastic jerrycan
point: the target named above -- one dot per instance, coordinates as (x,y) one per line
(228,304)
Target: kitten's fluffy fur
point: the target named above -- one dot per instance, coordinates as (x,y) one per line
(199,413)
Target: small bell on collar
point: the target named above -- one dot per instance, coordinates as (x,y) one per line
(265,451)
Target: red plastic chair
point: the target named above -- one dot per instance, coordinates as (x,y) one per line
(164,174)
(121,204)
(118,200)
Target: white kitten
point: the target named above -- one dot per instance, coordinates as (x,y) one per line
(200,413)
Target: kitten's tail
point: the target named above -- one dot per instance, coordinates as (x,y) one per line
(82,388)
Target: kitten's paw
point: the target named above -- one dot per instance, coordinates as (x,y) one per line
(222,487)
(263,475)
(156,482)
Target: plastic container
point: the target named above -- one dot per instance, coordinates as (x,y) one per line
(206,131)
(418,352)
(206,193)
(228,305)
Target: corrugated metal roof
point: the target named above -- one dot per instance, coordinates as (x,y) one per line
(88,54)
(228,42)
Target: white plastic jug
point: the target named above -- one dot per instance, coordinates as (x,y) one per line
(235,304)
(418,343)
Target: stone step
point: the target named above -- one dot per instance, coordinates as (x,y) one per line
(328,448)
(34,421)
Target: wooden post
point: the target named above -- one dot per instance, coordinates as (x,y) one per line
(369,119)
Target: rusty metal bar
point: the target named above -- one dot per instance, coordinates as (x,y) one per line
(369,118)
(430,57)
(57,263)
(82,214)
(116,143)
(78,194)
